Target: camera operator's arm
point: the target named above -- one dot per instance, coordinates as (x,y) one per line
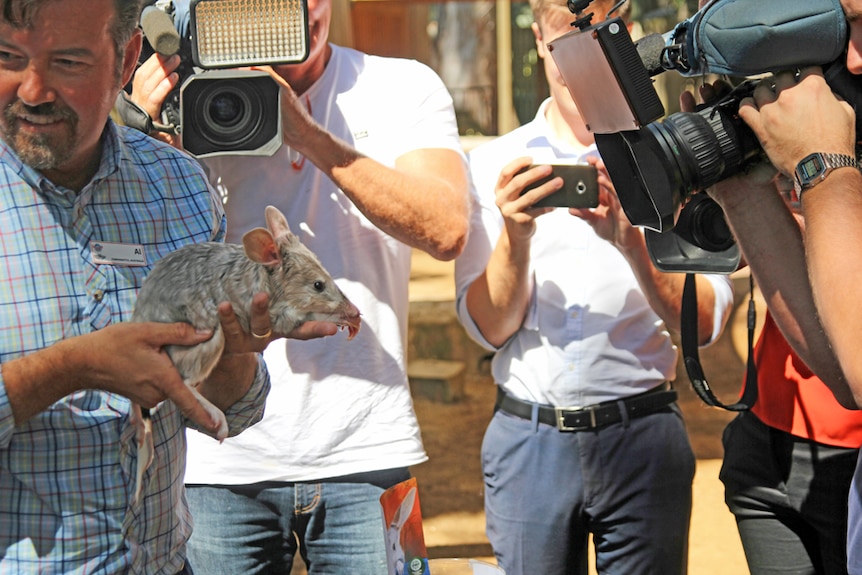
(833,216)
(662,290)
(796,117)
(764,227)
(498,299)
(422,202)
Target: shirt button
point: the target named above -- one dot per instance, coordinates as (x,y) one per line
(98,295)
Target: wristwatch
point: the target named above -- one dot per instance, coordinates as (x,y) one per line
(814,168)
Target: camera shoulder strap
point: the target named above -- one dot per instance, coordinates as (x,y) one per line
(691,358)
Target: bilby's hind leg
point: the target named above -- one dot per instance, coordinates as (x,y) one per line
(145,446)
(214,412)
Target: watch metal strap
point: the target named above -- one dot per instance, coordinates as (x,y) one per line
(803,180)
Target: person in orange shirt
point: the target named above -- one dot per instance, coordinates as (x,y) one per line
(789,461)
(788,464)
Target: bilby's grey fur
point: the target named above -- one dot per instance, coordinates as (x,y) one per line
(188,285)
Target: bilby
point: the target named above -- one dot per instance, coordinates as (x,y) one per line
(188,284)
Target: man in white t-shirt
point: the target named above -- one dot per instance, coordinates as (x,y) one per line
(371,167)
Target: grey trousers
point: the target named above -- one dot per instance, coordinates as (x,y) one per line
(629,484)
(789,496)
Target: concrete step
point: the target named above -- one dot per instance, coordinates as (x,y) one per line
(440,355)
(437,379)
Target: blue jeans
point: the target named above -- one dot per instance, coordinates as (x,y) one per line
(336,525)
(629,484)
(789,496)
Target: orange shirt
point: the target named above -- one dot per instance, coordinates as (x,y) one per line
(791,398)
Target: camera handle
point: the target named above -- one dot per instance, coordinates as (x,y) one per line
(133,116)
(688,335)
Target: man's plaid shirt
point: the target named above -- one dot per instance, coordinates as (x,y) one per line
(66,475)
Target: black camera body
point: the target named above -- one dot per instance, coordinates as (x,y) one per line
(658,167)
(218,110)
(682,155)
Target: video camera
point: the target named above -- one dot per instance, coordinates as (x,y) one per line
(658,168)
(220,111)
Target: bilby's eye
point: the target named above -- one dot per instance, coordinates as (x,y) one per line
(319,285)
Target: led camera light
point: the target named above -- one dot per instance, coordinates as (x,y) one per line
(233,33)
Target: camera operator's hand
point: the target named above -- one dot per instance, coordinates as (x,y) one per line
(151,84)
(760,218)
(296,119)
(609,220)
(794,115)
(739,189)
(709,93)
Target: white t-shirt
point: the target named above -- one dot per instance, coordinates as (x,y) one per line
(590,334)
(337,407)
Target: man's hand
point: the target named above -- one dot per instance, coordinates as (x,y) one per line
(794,115)
(609,220)
(517,210)
(260,333)
(151,84)
(129,359)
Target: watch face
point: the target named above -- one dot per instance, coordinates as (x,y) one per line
(810,167)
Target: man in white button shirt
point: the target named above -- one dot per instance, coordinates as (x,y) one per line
(577,316)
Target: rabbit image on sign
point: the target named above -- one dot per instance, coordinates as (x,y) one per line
(188,284)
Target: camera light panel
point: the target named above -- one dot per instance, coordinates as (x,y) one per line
(232,33)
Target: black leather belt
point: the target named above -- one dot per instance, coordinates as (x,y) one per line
(591,416)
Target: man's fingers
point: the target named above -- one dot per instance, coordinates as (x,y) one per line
(314,330)
(259,333)
(188,404)
(229,322)
(260,325)
(179,334)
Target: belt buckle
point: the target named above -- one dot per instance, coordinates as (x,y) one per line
(560,413)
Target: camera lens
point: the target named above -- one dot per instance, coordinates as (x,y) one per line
(656,168)
(226,109)
(707,226)
(227,113)
(230,111)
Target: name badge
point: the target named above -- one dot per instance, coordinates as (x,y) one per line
(118,254)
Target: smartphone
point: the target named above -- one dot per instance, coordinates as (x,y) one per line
(580,187)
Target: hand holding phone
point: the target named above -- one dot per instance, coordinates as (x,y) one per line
(580,187)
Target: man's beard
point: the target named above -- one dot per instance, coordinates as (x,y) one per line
(40,151)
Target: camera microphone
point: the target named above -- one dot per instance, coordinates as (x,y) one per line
(650,49)
(159,29)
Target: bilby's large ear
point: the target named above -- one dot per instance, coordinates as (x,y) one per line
(259,245)
(276,222)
